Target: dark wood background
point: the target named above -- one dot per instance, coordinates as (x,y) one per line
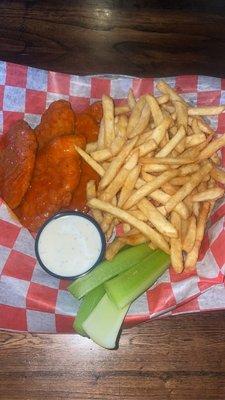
(179,358)
(158,37)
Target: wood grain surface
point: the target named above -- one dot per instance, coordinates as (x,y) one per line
(145,38)
(178,358)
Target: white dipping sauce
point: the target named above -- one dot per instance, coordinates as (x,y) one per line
(69,245)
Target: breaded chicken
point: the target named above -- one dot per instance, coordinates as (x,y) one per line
(57,120)
(56,176)
(17,163)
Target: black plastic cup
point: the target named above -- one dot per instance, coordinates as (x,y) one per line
(61,215)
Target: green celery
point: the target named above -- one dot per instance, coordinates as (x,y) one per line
(104,323)
(126,287)
(89,302)
(109,269)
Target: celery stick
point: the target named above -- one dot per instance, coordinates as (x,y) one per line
(108,269)
(126,287)
(103,324)
(88,304)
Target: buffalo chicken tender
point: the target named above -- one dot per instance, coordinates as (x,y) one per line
(57,120)
(56,176)
(17,163)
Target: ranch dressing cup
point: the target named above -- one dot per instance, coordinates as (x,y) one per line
(69,244)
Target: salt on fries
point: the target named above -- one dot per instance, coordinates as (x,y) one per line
(158,163)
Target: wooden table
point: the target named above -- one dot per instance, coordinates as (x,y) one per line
(177,358)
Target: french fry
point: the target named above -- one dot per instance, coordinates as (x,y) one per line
(108,116)
(185,190)
(135,116)
(117,183)
(91,193)
(210,110)
(166,160)
(131,99)
(181,113)
(169,108)
(156,218)
(122,110)
(195,139)
(144,137)
(101,155)
(162,197)
(204,127)
(90,161)
(147,147)
(147,231)
(129,185)
(166,89)
(195,126)
(155,168)
(215,159)
(218,175)
(188,169)
(155,109)
(212,147)
(142,122)
(110,230)
(149,187)
(114,248)
(209,194)
(193,152)
(166,150)
(164,98)
(126,228)
(159,132)
(181,180)
(184,228)
(101,136)
(190,236)
(176,246)
(196,209)
(116,163)
(90,147)
(134,240)
(192,256)
(139,215)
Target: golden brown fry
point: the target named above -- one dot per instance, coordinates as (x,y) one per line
(135,116)
(204,127)
(159,132)
(110,230)
(134,240)
(209,194)
(185,190)
(116,163)
(163,99)
(108,117)
(114,248)
(195,126)
(188,169)
(148,188)
(176,246)
(122,110)
(184,228)
(212,147)
(131,99)
(101,136)
(181,113)
(150,233)
(142,122)
(215,159)
(97,167)
(155,109)
(144,137)
(195,139)
(101,155)
(155,168)
(166,160)
(166,89)
(156,218)
(190,236)
(91,193)
(218,175)
(129,185)
(172,143)
(208,110)
(139,215)
(192,256)
(117,183)
(92,146)
(147,147)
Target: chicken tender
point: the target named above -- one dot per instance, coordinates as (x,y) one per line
(17,163)
(57,120)
(56,176)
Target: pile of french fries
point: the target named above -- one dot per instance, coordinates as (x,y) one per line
(160,176)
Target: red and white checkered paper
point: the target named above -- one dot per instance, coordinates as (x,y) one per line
(30,299)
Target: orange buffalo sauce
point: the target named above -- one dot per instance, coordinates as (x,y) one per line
(87,124)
